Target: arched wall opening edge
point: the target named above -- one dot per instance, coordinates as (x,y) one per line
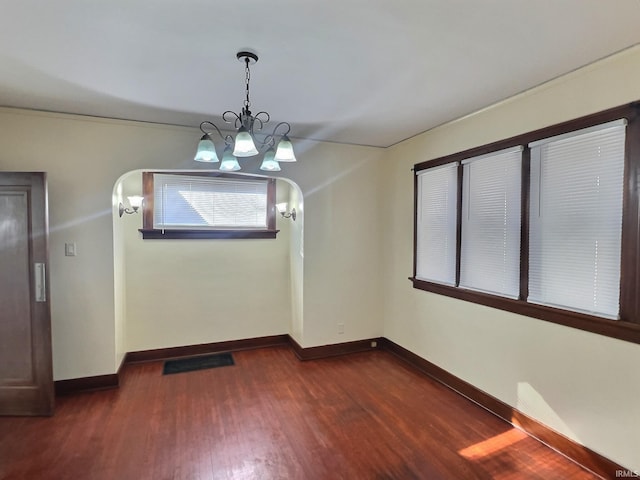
(129,324)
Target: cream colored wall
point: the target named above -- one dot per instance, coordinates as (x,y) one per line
(342,242)
(85,157)
(581,384)
(296,263)
(120,285)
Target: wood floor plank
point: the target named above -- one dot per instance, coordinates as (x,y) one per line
(270,416)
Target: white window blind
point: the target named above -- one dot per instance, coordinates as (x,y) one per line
(200,202)
(576,220)
(491,198)
(436,224)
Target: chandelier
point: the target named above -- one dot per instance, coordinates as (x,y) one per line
(250,140)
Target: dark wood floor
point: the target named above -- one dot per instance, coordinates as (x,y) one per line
(270,416)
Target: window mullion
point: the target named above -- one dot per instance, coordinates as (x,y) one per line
(630,242)
(524,223)
(415,223)
(459,225)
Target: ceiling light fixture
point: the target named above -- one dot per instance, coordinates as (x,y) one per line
(276,145)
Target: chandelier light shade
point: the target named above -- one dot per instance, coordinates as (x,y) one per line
(249,140)
(245,147)
(285,150)
(229,162)
(206,150)
(269,163)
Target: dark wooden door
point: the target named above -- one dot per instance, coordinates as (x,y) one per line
(26,378)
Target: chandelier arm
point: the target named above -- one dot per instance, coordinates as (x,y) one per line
(275,129)
(269,140)
(207,123)
(236,120)
(263,120)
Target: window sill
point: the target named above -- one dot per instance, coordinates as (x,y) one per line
(155,234)
(620,329)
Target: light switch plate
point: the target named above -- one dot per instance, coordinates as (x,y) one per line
(70,249)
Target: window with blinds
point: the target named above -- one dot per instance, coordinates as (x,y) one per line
(577,184)
(491,194)
(195,202)
(207,205)
(436,224)
(545,224)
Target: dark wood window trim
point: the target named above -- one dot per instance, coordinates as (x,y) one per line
(628,327)
(150,233)
(156,234)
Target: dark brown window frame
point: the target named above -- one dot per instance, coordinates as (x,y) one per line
(150,233)
(628,327)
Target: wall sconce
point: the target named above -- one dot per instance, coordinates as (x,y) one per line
(282,208)
(135,201)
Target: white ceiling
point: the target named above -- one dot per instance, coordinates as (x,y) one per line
(370,72)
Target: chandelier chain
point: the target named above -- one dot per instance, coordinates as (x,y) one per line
(247,71)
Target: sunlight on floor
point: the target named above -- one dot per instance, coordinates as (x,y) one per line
(493,444)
